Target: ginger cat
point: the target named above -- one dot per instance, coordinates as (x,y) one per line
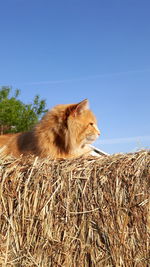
(64,132)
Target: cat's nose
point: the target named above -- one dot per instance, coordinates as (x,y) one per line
(97,130)
(98,133)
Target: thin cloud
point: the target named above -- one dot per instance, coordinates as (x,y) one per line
(89,77)
(124,140)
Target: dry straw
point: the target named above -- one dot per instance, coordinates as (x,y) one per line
(83,212)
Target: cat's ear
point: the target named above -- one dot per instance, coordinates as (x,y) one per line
(77,109)
(80,107)
(83,105)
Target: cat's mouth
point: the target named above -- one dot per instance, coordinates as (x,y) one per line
(91,138)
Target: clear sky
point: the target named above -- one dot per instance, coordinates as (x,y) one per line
(69,50)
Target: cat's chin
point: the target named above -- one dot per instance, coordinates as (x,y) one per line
(87,142)
(90,139)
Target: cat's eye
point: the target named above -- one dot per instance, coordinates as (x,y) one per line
(91,123)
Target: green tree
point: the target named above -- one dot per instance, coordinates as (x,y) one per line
(15,116)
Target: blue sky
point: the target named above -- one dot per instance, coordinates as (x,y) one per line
(69,50)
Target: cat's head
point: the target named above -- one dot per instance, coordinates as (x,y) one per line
(82,123)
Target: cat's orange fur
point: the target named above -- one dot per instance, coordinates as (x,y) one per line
(64,132)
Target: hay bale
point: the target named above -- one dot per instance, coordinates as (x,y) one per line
(83,212)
